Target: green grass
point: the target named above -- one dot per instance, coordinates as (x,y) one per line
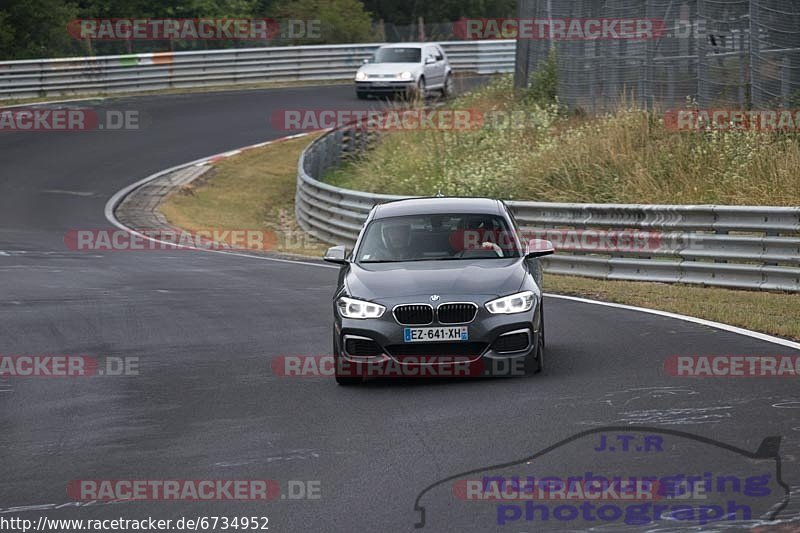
(774,313)
(251,191)
(626,156)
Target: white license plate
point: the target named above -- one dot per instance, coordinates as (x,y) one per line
(458,333)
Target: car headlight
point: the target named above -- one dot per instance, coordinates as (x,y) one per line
(360,76)
(350,308)
(513,303)
(406,75)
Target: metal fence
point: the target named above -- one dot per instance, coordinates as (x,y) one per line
(145,72)
(741,247)
(743,53)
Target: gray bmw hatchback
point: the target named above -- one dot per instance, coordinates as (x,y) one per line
(438,287)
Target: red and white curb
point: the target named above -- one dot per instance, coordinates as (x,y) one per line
(119,196)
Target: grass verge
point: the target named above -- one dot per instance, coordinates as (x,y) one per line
(530,148)
(773,313)
(255,190)
(251,191)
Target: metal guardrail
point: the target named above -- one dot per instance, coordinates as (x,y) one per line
(147,72)
(726,246)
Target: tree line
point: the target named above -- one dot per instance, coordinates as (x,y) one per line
(31,29)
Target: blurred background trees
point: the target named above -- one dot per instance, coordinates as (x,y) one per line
(31,29)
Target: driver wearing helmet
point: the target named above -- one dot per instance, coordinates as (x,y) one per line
(396,240)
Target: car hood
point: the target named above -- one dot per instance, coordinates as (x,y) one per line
(375,69)
(487,277)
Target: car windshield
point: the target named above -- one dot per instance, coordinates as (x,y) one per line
(438,237)
(398,55)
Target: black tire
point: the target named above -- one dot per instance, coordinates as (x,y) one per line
(447,88)
(541,326)
(347,381)
(534,362)
(418,91)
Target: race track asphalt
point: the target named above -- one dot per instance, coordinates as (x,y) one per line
(205,328)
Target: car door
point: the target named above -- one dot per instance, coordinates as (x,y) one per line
(441,61)
(434,72)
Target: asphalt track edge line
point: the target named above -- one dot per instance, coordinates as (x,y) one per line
(54,102)
(120,195)
(685,318)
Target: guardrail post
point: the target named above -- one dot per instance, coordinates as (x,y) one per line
(702,61)
(522,57)
(41,89)
(754,49)
(670,83)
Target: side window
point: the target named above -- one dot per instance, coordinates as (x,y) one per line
(429,53)
(439,54)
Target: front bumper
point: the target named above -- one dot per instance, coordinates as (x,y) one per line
(384,87)
(485,353)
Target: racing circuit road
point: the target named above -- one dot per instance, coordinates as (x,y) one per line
(206,326)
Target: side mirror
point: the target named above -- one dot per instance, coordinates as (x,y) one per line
(366,61)
(430,61)
(539,248)
(336,254)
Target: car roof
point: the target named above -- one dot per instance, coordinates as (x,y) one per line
(438,205)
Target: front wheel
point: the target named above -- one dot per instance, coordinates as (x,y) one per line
(447,88)
(347,381)
(343,379)
(534,362)
(418,91)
